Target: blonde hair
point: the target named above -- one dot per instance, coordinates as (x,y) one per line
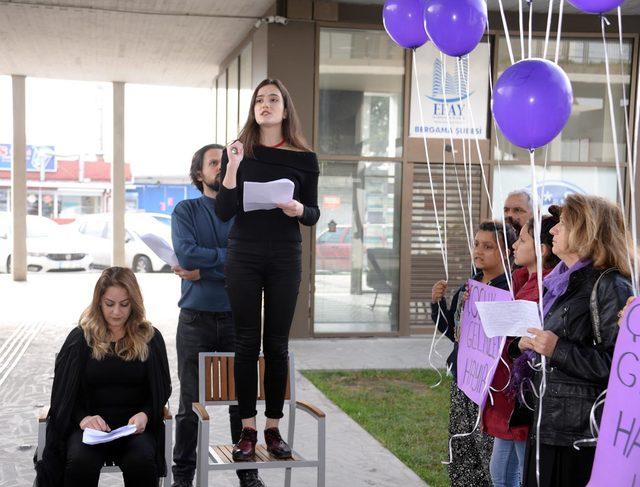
(138,331)
(596,230)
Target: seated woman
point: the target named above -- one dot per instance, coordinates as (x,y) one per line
(111,371)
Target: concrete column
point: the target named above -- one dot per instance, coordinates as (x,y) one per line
(118,177)
(19,180)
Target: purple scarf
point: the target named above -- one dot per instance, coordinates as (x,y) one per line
(557,282)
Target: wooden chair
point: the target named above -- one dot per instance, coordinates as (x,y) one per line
(110,466)
(217,388)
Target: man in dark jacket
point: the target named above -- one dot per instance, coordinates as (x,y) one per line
(205,323)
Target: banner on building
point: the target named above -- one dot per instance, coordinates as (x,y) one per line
(444,92)
(39,158)
(617,460)
(478,355)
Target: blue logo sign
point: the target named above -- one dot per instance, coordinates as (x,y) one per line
(555,192)
(456,87)
(39,158)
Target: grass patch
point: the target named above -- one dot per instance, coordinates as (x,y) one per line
(400,409)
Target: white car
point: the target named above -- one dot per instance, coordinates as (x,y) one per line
(50,247)
(97,230)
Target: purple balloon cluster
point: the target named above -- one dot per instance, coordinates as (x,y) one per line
(454,26)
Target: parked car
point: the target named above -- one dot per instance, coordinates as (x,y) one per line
(333,249)
(50,247)
(97,230)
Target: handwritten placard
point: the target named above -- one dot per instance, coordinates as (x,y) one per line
(478,355)
(617,460)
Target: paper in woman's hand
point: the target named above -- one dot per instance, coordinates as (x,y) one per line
(508,318)
(266,196)
(95,437)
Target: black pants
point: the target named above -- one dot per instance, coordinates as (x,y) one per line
(198,332)
(559,465)
(135,455)
(251,268)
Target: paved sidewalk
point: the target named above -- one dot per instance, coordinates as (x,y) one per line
(354,458)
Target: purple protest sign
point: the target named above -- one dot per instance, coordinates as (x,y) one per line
(478,355)
(617,460)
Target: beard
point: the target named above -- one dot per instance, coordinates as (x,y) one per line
(213,185)
(516,226)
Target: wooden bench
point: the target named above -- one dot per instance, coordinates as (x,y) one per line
(110,466)
(217,388)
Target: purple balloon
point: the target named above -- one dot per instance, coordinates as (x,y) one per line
(596,6)
(403,22)
(455,26)
(532,102)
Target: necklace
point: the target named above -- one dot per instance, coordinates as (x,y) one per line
(279,144)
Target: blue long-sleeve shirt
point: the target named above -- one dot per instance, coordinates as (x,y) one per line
(200,242)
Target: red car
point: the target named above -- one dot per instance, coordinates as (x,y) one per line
(333,249)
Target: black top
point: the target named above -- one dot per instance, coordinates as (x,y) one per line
(269,164)
(71,361)
(115,389)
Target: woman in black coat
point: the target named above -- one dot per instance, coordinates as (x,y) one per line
(580,330)
(112,370)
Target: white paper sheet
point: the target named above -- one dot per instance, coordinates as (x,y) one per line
(161,248)
(95,437)
(265,196)
(508,318)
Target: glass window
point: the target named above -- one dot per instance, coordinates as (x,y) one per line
(232,101)
(246,85)
(587,137)
(221,133)
(554,184)
(357,256)
(361,86)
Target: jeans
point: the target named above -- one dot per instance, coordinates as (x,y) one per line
(198,331)
(135,455)
(507,462)
(251,269)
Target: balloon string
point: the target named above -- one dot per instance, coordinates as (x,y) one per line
(559,31)
(632,181)
(521,25)
(537,223)
(614,135)
(433,339)
(426,151)
(507,272)
(455,169)
(631,161)
(506,32)
(546,35)
(530,25)
(593,423)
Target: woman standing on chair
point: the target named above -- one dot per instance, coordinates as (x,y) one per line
(264,254)
(112,370)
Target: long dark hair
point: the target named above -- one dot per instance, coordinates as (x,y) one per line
(291,131)
(548,222)
(196,164)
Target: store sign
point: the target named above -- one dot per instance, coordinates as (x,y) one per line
(39,157)
(451,93)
